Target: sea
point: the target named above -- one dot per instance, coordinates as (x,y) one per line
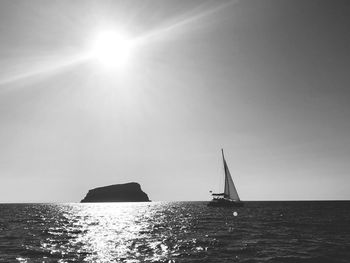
(310,231)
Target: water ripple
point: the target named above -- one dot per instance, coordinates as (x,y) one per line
(174,232)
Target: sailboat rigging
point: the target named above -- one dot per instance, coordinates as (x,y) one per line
(230,196)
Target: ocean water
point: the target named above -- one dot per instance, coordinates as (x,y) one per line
(175,232)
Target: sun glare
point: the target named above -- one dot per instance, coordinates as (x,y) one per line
(111,49)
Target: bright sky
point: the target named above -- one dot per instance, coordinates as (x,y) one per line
(268,81)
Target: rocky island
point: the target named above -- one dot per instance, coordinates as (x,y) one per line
(129,192)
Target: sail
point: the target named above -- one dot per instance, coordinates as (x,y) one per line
(230,189)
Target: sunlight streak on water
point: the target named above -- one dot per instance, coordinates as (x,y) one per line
(117,232)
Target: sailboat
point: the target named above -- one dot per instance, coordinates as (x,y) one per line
(229,198)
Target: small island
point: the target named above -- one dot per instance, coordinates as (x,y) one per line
(129,192)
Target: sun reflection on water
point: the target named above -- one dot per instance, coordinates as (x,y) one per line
(109,232)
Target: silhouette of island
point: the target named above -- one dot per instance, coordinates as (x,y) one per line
(129,192)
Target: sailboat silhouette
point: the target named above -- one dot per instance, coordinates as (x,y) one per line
(229,198)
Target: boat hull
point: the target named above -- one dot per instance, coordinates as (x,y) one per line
(225,203)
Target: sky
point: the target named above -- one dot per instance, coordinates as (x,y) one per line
(267,81)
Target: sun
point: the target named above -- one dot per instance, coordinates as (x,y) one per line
(111,49)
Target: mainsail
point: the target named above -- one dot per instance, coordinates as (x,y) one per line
(230,189)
